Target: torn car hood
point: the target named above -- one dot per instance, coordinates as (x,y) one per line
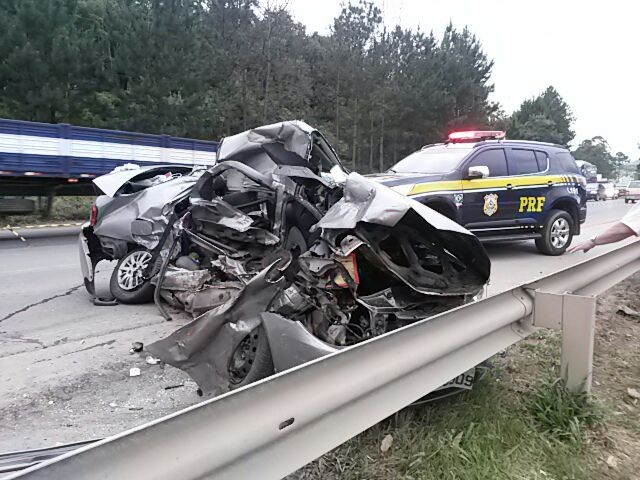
(110,183)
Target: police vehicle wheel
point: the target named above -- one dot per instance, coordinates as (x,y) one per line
(557,233)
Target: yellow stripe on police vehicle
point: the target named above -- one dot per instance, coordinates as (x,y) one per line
(498,189)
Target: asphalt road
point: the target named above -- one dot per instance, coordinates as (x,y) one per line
(65,363)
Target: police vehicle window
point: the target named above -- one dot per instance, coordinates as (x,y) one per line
(436,159)
(522,162)
(567,163)
(543,161)
(495,159)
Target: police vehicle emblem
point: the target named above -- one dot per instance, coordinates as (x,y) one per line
(490,204)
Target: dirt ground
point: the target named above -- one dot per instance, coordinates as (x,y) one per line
(615,452)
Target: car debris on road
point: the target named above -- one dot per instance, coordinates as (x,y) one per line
(282,256)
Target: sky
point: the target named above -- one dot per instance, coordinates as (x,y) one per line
(588,50)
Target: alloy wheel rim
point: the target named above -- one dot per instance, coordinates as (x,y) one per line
(131,269)
(559,233)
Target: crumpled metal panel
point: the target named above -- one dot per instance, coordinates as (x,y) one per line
(367,201)
(294,135)
(209,297)
(111,182)
(202,348)
(116,215)
(291,344)
(181,279)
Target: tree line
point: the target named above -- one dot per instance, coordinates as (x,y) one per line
(211,68)
(548,118)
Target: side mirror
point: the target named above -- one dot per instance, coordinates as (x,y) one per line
(478,171)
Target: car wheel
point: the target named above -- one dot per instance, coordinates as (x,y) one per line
(626,200)
(127,284)
(251,360)
(556,233)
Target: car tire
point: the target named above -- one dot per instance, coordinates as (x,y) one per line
(259,366)
(626,200)
(123,283)
(557,233)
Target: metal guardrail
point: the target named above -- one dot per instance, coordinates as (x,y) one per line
(271,428)
(16,461)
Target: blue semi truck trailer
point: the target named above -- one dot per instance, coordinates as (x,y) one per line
(42,159)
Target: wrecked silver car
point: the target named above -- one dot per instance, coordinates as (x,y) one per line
(283,257)
(129,223)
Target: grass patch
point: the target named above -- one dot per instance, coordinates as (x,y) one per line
(65,209)
(562,413)
(486,434)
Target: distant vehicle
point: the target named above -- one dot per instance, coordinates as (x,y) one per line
(631,192)
(609,191)
(498,189)
(593,190)
(43,159)
(588,170)
(601,191)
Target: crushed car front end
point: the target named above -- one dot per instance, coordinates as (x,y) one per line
(310,260)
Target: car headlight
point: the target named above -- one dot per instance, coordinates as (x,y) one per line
(403,189)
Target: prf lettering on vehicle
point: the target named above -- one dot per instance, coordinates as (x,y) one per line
(531,204)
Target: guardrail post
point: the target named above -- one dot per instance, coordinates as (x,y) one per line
(575,315)
(578,329)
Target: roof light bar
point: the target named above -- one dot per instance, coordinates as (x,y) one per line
(476,135)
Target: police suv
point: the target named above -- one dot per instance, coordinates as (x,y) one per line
(498,189)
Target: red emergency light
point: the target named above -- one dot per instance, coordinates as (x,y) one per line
(476,135)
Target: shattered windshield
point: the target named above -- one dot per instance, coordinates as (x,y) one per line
(436,159)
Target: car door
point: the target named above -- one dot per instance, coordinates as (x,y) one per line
(486,200)
(529,189)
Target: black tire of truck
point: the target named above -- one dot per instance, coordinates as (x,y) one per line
(557,233)
(257,365)
(142,293)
